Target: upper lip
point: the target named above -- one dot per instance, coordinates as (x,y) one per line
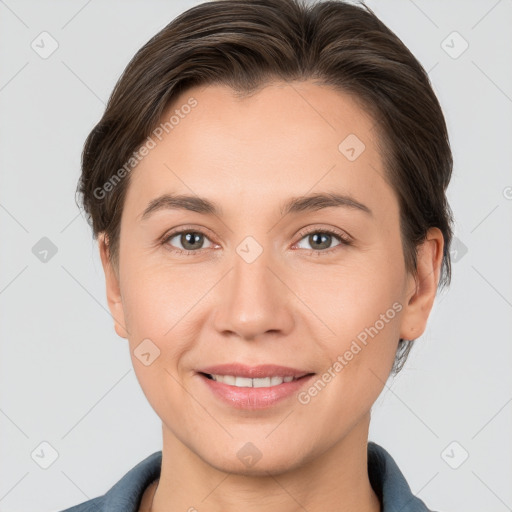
(253,372)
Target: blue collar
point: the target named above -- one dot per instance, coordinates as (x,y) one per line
(385,477)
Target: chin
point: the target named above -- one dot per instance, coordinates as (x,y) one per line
(260,465)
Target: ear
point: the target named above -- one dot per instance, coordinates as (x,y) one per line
(422,287)
(115,303)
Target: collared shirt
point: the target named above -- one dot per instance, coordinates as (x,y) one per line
(386,479)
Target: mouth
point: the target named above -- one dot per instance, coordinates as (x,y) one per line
(241,386)
(248,382)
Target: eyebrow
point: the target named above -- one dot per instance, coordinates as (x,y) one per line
(312,202)
(318,201)
(181,202)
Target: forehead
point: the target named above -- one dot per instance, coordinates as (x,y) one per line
(287,139)
(288,115)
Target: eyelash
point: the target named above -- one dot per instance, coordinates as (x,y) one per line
(343,239)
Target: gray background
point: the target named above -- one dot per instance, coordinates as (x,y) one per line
(66,378)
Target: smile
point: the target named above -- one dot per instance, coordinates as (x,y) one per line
(257,393)
(245,382)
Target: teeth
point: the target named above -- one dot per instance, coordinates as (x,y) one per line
(244,382)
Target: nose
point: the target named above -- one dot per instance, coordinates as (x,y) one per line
(254,300)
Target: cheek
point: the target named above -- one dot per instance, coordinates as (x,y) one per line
(351,296)
(159,319)
(360,308)
(163,311)
(156,300)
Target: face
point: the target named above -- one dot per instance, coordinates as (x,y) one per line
(318,287)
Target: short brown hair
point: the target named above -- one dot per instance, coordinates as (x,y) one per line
(246,44)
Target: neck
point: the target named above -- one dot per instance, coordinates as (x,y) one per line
(336,479)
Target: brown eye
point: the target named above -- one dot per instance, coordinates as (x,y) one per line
(187,240)
(322,240)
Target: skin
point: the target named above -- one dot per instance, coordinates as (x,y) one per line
(291,306)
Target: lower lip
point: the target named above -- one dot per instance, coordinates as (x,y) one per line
(254,398)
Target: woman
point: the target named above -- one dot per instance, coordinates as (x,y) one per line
(267,186)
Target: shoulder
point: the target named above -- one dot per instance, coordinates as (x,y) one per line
(126,494)
(389,483)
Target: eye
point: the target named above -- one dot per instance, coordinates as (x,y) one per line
(190,241)
(321,239)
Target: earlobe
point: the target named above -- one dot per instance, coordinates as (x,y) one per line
(113,291)
(422,287)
